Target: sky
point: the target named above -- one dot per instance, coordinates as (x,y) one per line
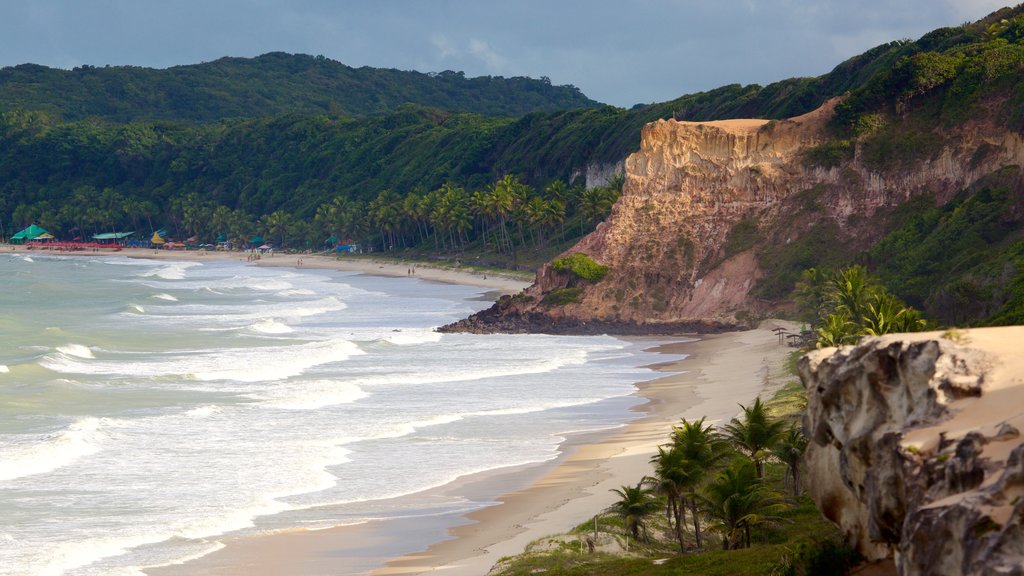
(620,52)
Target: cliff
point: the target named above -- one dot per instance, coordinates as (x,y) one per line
(915,448)
(710,211)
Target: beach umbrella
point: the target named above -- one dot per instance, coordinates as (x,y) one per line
(156,239)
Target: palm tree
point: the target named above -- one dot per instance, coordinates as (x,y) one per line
(738,500)
(634,505)
(790,451)
(277,223)
(702,451)
(755,434)
(671,479)
(851,290)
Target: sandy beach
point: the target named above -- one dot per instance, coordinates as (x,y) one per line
(512,506)
(499,282)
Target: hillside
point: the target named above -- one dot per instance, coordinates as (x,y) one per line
(916,173)
(298,161)
(930,121)
(271,84)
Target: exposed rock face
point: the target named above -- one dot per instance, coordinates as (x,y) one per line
(667,240)
(916,452)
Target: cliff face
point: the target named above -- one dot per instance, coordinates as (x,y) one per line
(915,448)
(701,200)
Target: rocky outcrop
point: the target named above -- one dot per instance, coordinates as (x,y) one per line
(916,450)
(675,240)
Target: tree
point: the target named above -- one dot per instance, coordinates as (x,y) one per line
(738,500)
(790,451)
(852,304)
(635,504)
(702,451)
(671,479)
(277,223)
(755,434)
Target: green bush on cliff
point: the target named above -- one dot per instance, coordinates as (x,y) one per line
(830,154)
(581,266)
(561,297)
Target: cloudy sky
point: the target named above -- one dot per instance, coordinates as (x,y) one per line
(620,52)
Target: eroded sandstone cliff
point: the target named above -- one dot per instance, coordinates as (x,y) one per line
(916,450)
(675,241)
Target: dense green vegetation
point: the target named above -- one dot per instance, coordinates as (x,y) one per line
(272,84)
(959,262)
(846,304)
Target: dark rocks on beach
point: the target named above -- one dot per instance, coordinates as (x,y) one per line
(499,320)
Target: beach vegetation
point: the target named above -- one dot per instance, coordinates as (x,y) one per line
(850,303)
(746,524)
(634,505)
(755,433)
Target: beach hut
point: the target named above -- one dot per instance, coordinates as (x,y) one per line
(111,236)
(157,240)
(30,233)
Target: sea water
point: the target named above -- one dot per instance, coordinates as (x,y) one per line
(149,408)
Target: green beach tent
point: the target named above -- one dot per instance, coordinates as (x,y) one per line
(30,233)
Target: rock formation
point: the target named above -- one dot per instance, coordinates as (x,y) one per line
(916,450)
(674,241)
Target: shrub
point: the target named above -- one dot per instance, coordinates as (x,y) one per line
(830,154)
(581,266)
(561,297)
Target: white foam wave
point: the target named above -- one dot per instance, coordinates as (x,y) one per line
(165,296)
(274,362)
(313,395)
(38,455)
(173,271)
(412,337)
(254,311)
(204,411)
(296,292)
(251,364)
(76,350)
(4,369)
(24,258)
(69,556)
(207,549)
(138,309)
(271,326)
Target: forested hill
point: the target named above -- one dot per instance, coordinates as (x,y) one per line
(446,183)
(271,84)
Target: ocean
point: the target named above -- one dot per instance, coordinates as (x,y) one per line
(149,408)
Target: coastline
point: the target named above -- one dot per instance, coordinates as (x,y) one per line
(514,506)
(523,504)
(498,283)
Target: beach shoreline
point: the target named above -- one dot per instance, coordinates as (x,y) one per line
(513,506)
(497,282)
(519,505)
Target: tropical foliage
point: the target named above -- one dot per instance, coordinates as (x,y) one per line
(850,303)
